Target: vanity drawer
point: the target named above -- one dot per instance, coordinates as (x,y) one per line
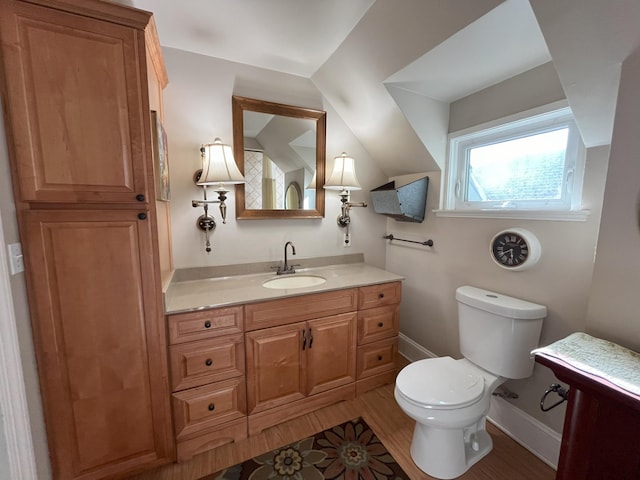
(198,409)
(205,361)
(186,327)
(299,308)
(378,323)
(378,295)
(377,357)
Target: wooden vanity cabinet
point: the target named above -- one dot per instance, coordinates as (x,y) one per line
(207,358)
(294,361)
(76,108)
(378,327)
(302,353)
(304,358)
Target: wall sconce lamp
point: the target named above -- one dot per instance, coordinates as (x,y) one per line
(218,168)
(343,178)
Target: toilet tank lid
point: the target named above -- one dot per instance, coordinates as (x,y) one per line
(499,304)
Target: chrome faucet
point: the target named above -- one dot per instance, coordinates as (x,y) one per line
(286,269)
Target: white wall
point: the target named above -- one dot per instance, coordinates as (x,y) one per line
(614,299)
(460,256)
(197,109)
(23,322)
(4,455)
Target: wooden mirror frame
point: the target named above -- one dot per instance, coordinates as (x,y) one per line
(239,105)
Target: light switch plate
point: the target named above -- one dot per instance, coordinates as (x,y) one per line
(16,261)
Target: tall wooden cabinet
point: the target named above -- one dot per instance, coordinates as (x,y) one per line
(74,86)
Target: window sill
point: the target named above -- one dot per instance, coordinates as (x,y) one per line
(553,215)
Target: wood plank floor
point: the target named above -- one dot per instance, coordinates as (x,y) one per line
(507,461)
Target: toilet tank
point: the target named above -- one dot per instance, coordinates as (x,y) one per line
(498,332)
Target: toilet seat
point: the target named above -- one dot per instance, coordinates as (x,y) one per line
(440,383)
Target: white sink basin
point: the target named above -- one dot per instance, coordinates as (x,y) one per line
(294,281)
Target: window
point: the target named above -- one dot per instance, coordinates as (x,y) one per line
(532,164)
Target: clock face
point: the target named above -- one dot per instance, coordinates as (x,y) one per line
(515,249)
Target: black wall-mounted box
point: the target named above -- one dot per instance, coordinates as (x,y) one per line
(406,203)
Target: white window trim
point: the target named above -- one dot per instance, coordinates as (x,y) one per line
(569,211)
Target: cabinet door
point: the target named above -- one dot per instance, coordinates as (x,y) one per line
(275,368)
(99,340)
(75,108)
(331,352)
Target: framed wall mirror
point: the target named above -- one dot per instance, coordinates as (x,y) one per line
(281,151)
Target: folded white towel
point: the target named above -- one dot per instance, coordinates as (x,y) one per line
(598,357)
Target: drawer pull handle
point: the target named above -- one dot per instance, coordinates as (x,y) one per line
(379,358)
(207,324)
(208,362)
(381,295)
(380,324)
(211,407)
(142,216)
(140,197)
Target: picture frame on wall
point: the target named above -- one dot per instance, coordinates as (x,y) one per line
(160,158)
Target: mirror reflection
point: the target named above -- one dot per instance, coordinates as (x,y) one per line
(292,200)
(278,151)
(279,148)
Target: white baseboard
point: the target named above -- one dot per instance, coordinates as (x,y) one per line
(532,434)
(411,350)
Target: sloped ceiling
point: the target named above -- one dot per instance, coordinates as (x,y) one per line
(391,68)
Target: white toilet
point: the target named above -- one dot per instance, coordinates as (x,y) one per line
(449,399)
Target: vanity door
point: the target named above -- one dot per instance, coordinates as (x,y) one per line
(276,371)
(331,352)
(291,362)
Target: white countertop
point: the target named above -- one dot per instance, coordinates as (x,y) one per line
(196,295)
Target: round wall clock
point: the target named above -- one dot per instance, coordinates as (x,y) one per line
(515,249)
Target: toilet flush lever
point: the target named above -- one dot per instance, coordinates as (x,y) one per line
(555,388)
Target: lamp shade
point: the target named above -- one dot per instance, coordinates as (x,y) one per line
(343,176)
(218,165)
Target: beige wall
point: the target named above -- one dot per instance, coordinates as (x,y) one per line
(561,280)
(614,298)
(198,109)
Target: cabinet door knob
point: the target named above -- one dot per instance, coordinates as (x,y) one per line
(142,216)
(379,357)
(207,324)
(380,324)
(208,362)
(381,295)
(140,197)
(211,407)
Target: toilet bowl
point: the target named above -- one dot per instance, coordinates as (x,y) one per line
(449,399)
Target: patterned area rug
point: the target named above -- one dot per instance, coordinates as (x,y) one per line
(349,451)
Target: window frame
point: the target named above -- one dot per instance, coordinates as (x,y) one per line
(531,122)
